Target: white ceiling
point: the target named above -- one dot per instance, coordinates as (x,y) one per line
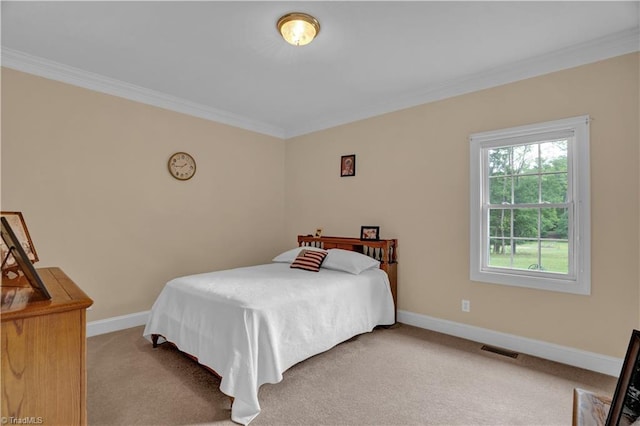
(225,61)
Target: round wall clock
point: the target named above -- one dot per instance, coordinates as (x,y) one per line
(182,166)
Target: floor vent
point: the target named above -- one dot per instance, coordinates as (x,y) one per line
(500,351)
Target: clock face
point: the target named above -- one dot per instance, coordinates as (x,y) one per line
(182,166)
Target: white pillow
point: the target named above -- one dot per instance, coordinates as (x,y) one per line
(290,255)
(349,261)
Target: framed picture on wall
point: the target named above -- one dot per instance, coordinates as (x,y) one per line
(625,405)
(371,233)
(348,165)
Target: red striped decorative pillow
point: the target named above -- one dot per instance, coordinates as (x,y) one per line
(309,260)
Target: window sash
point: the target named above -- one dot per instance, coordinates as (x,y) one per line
(510,142)
(487,237)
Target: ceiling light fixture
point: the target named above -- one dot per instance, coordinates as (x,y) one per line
(298,28)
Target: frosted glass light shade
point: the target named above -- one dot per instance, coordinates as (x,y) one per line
(298,28)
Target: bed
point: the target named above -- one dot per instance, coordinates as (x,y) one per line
(249,325)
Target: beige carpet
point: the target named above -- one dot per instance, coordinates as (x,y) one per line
(398,376)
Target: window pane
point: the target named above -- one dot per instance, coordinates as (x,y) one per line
(525,159)
(500,190)
(526,255)
(525,223)
(499,161)
(526,189)
(500,253)
(553,155)
(554,188)
(500,223)
(555,256)
(554,223)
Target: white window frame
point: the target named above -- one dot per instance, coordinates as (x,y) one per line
(578,280)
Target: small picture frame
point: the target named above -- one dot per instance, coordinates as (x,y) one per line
(19,227)
(348,165)
(318,233)
(625,405)
(25,266)
(370,233)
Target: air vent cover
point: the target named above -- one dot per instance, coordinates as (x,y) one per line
(500,351)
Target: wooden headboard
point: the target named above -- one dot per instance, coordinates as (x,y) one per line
(385,251)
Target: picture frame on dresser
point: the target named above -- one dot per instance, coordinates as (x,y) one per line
(625,404)
(19,227)
(15,249)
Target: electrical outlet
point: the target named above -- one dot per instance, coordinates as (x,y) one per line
(466,306)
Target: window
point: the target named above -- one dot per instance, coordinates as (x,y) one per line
(529,211)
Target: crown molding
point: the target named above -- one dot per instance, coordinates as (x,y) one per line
(581,54)
(56,71)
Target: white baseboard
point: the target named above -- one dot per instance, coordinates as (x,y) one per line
(123,322)
(563,354)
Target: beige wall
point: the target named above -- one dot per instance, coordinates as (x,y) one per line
(89,172)
(412,179)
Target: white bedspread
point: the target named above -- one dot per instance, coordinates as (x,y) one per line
(251,324)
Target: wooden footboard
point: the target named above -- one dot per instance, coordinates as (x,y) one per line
(384,251)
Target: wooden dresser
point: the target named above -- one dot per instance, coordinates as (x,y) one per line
(44,376)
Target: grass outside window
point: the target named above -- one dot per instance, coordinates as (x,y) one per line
(554,255)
